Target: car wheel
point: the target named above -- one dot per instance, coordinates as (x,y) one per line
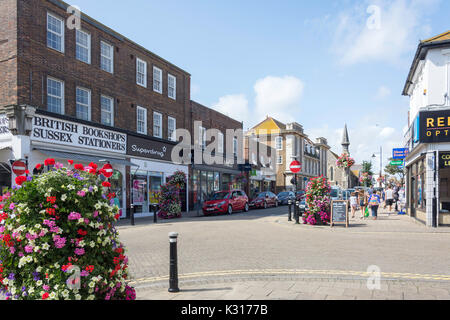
(230,210)
(246,208)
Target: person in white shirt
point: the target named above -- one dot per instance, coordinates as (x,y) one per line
(353,204)
(389,198)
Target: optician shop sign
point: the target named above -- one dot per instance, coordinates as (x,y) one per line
(57,131)
(146,148)
(434,126)
(444,160)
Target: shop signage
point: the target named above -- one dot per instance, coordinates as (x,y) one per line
(245,167)
(400,154)
(51,130)
(146,148)
(4,126)
(434,126)
(444,160)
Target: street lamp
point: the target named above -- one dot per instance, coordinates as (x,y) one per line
(381,164)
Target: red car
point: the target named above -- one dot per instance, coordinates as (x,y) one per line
(264,200)
(226,202)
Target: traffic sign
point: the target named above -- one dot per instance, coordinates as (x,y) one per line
(107,170)
(295,167)
(400,154)
(19,168)
(397,163)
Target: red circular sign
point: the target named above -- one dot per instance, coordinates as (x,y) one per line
(296,166)
(107,170)
(19,168)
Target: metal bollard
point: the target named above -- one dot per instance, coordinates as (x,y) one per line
(132,215)
(155,216)
(297,213)
(290,210)
(173,281)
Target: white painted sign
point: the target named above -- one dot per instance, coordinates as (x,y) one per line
(51,130)
(5,134)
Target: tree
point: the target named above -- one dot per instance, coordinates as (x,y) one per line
(366,175)
(395,170)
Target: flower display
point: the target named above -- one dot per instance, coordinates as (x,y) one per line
(366,178)
(318,202)
(58,240)
(345,162)
(169,196)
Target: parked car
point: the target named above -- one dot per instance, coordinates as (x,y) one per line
(222,202)
(264,200)
(299,195)
(284,197)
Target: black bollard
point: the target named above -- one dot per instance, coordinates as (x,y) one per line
(173,281)
(155,215)
(297,212)
(132,215)
(290,210)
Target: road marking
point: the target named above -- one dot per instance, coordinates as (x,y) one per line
(406,276)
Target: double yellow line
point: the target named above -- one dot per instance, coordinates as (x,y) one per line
(361,274)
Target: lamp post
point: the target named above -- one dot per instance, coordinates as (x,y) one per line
(381,164)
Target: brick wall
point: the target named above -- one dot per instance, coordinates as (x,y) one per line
(8,52)
(37,61)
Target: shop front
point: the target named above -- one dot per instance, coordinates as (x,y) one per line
(261,181)
(153,159)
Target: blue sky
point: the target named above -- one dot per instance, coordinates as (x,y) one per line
(314,62)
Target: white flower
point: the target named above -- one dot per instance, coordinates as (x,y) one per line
(82,244)
(77,297)
(64,197)
(31,290)
(45,246)
(38,269)
(52,295)
(81,220)
(37,226)
(95,188)
(91,284)
(36,249)
(91,297)
(71,187)
(65,293)
(92,244)
(39,283)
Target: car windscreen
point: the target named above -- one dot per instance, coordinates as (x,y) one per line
(219,196)
(261,195)
(283,194)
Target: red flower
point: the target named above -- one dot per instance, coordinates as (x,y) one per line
(20,180)
(70,162)
(51,211)
(79,167)
(27,172)
(93,165)
(45,296)
(81,232)
(52,200)
(117,216)
(106,184)
(49,162)
(38,166)
(93,171)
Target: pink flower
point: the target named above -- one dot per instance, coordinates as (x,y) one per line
(81,193)
(60,242)
(86,220)
(79,251)
(12,250)
(28,249)
(12,206)
(45,287)
(95,214)
(74,216)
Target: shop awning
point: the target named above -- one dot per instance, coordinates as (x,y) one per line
(85,158)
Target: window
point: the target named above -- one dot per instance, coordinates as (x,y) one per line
(202,137)
(83,50)
(279,143)
(83,98)
(55,96)
(141,120)
(55,33)
(172,87)
(141,73)
(171,127)
(106,57)
(221,143)
(235,146)
(107,110)
(157,80)
(157,125)
(280,160)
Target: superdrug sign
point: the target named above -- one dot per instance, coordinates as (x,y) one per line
(68,133)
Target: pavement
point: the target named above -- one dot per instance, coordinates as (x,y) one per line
(260,255)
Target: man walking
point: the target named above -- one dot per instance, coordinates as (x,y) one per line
(389,198)
(396,196)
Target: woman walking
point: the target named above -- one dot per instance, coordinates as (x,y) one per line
(374,203)
(362,203)
(353,204)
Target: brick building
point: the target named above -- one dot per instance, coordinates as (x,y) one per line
(91,95)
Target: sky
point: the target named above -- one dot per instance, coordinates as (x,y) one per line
(322,64)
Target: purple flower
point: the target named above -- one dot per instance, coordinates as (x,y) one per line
(36,276)
(84,273)
(28,249)
(60,242)
(12,276)
(74,216)
(79,251)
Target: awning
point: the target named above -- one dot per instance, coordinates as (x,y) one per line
(84,158)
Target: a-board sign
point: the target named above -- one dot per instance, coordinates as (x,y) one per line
(339,212)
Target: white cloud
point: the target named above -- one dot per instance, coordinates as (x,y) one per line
(383,92)
(387,132)
(234,106)
(278,97)
(401,24)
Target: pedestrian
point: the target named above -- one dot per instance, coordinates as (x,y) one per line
(353,203)
(402,198)
(374,203)
(396,196)
(389,198)
(362,203)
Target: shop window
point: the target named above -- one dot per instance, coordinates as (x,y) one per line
(117,187)
(139,192)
